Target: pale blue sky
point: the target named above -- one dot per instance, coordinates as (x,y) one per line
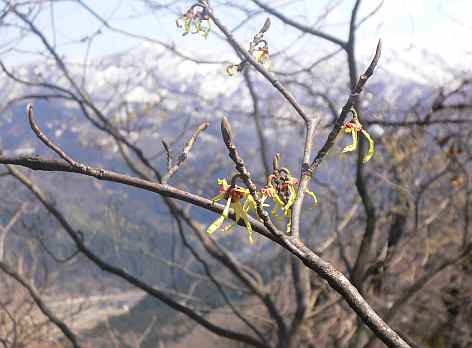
(407,27)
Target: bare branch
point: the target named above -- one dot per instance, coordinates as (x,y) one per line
(168,154)
(257,119)
(287,95)
(215,282)
(121,273)
(185,153)
(42,136)
(41,305)
(331,139)
(245,174)
(300,26)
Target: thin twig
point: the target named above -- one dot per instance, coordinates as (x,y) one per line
(245,174)
(185,153)
(43,137)
(258,122)
(276,83)
(168,154)
(215,282)
(123,274)
(305,177)
(335,278)
(299,26)
(41,305)
(331,139)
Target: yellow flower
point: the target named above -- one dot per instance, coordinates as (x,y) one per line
(354,127)
(260,54)
(232,69)
(195,21)
(240,200)
(262,57)
(282,187)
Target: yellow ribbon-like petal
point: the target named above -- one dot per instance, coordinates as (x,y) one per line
(177,22)
(187,26)
(250,203)
(291,199)
(232,69)
(242,213)
(238,210)
(218,222)
(205,29)
(278,201)
(222,182)
(262,57)
(248,227)
(279,204)
(226,209)
(218,197)
(313,195)
(258,55)
(196,24)
(355,140)
(371,150)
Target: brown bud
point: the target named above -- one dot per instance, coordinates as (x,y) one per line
(226,131)
(275,162)
(266,26)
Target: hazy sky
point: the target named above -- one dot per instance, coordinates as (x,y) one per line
(407,27)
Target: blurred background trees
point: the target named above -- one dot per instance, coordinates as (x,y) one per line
(118,87)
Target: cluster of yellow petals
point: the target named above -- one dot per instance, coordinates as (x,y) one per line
(281,186)
(261,55)
(241,201)
(354,127)
(284,196)
(194,21)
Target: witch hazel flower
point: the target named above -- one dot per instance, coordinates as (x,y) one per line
(354,127)
(196,20)
(237,198)
(281,189)
(258,49)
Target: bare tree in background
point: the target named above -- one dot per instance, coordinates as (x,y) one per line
(403,236)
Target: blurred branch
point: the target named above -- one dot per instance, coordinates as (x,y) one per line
(331,139)
(121,273)
(185,153)
(421,123)
(420,284)
(336,279)
(148,39)
(40,303)
(277,85)
(14,329)
(81,96)
(4,229)
(216,283)
(258,122)
(293,244)
(245,174)
(300,26)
